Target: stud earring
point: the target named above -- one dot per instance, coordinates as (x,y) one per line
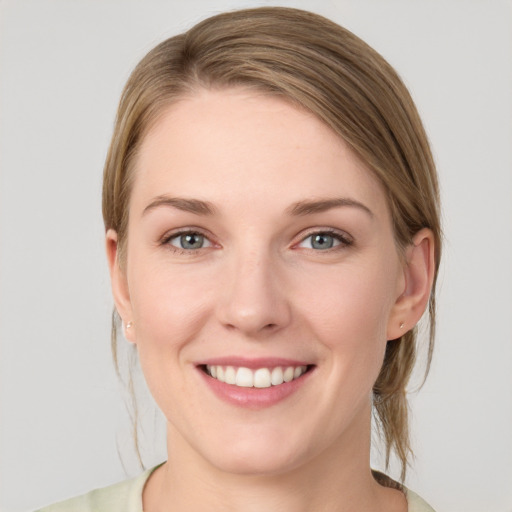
(401,325)
(129,324)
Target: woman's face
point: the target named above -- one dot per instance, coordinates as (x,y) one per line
(258,242)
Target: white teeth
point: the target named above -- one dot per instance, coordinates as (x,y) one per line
(260,378)
(277,376)
(230,375)
(288,374)
(244,378)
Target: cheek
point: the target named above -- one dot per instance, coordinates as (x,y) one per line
(170,310)
(169,306)
(349,314)
(355,301)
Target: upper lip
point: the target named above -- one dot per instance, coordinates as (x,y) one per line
(252,363)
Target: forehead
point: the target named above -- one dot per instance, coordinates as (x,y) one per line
(217,143)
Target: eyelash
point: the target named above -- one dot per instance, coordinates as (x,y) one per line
(343,239)
(166,241)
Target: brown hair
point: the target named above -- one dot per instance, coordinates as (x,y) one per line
(324,68)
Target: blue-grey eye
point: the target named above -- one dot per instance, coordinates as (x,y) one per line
(190,241)
(321,241)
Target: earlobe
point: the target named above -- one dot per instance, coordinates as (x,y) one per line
(119,285)
(419,275)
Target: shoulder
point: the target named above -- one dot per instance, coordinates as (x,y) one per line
(415,503)
(124,496)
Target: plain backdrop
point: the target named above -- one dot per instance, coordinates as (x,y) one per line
(62,67)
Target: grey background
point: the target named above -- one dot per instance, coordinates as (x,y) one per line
(62,66)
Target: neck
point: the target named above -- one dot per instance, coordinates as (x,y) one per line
(336,480)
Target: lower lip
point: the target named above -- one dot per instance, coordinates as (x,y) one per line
(254,398)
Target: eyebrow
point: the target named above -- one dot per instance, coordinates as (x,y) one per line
(322,205)
(187,205)
(297,209)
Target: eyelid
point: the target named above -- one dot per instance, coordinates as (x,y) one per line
(207,242)
(175,233)
(343,237)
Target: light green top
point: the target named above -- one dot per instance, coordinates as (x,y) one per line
(127,497)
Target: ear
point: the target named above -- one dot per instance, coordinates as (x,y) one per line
(119,285)
(418,276)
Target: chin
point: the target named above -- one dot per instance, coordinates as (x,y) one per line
(247,457)
(257,465)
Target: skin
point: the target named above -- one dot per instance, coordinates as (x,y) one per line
(259,288)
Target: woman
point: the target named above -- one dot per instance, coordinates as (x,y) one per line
(272,232)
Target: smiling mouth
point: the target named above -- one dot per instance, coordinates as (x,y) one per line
(259,378)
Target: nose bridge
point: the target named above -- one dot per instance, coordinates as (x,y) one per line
(254,299)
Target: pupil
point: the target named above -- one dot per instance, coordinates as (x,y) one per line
(322,242)
(191,241)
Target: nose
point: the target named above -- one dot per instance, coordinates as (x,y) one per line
(254,299)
